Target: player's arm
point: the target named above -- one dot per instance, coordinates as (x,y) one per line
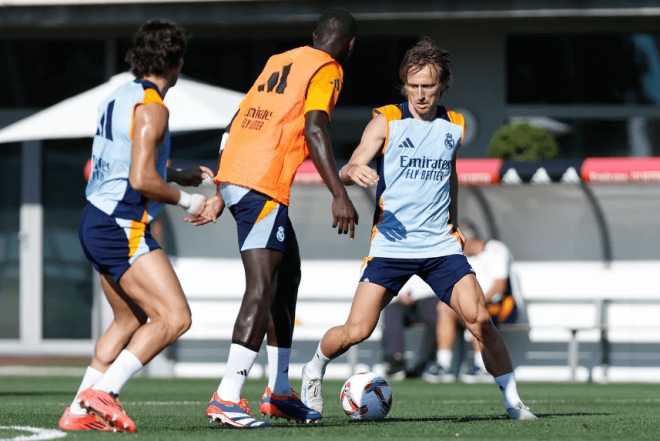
(215,205)
(188,177)
(453,194)
(357,171)
(150,126)
(344,215)
(498,287)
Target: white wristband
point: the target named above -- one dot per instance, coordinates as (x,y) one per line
(185,200)
(190,202)
(223,141)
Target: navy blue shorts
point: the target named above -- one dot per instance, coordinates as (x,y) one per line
(441,273)
(112,244)
(262,222)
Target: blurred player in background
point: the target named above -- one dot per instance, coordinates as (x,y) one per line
(416,144)
(491,261)
(416,304)
(281,122)
(126,190)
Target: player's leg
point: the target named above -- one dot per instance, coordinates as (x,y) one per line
(151,283)
(252,321)
(226,406)
(128,317)
(279,400)
(368,302)
(467,300)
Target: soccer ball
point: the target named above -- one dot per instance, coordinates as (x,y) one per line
(367,397)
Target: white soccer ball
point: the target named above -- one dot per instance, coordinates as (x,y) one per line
(366,396)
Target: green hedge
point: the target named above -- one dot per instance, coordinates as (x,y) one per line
(522,141)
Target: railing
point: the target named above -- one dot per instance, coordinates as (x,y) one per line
(601,325)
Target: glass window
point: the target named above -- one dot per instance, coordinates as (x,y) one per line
(580,138)
(583,68)
(10,201)
(40,73)
(67,273)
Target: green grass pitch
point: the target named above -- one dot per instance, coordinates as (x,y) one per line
(174,409)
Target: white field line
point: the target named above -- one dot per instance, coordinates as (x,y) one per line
(38,434)
(557,401)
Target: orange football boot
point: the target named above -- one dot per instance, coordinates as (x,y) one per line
(107,407)
(70,421)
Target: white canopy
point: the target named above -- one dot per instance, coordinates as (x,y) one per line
(193,106)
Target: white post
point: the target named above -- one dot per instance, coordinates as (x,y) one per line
(573,354)
(31,253)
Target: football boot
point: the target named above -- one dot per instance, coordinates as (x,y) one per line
(106,406)
(70,421)
(287,406)
(229,414)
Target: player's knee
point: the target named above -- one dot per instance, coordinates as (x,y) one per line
(180,324)
(259,291)
(358,334)
(478,322)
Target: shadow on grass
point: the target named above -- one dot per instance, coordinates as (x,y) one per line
(467,419)
(32,394)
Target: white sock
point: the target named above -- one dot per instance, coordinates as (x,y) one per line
(278,370)
(316,367)
(444,358)
(120,371)
(239,363)
(479,361)
(507,384)
(91,376)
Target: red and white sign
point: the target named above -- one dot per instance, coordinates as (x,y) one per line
(475,172)
(621,170)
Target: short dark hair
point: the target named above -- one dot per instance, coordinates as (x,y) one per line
(158,47)
(426,53)
(337,19)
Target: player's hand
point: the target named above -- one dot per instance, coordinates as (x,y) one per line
(212,210)
(460,234)
(344,215)
(193,176)
(362,175)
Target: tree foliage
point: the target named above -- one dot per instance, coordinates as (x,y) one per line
(522,141)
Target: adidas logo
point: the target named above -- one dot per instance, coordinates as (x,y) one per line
(243,373)
(337,84)
(502,388)
(286,371)
(406,144)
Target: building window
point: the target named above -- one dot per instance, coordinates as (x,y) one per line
(10,201)
(583,68)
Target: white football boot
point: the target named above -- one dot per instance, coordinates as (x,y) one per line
(520,412)
(311,392)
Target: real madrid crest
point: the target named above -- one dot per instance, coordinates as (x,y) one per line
(449,141)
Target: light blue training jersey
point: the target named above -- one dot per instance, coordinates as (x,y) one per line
(412,213)
(108,188)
